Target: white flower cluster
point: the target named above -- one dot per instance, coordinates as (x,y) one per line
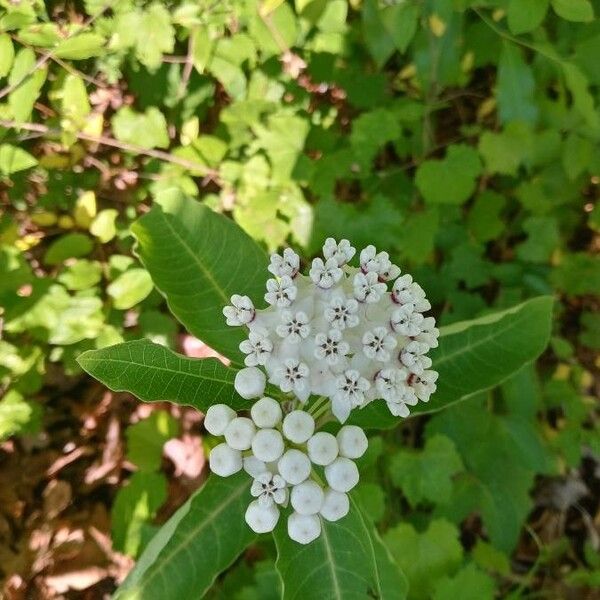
(284,454)
(339,332)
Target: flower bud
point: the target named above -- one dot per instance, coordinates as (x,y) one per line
(217,417)
(307,498)
(261,519)
(304,528)
(298,426)
(336,505)
(267,445)
(266,412)
(352,441)
(239,433)
(342,474)
(250,382)
(224,460)
(253,466)
(294,466)
(322,448)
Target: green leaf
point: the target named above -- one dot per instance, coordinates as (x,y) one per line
(577,155)
(526,15)
(17,415)
(7,54)
(504,152)
(81,275)
(452,179)
(13,159)
(71,245)
(80,46)
(583,101)
(577,274)
(154,373)
(146,438)
(130,288)
(103,225)
(154,35)
(542,239)
(28,81)
(425,557)
(148,129)
(198,259)
(135,505)
(426,474)
(468,584)
(467,357)
(515,87)
(485,217)
(574,10)
(198,542)
(346,562)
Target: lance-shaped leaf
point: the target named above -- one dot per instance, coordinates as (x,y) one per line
(348,561)
(197,543)
(154,373)
(198,259)
(477,355)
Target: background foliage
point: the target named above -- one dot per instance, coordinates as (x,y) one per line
(461,136)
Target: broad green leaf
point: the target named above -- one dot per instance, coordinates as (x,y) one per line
(27,82)
(148,129)
(154,35)
(103,225)
(146,438)
(155,373)
(80,46)
(17,415)
(526,15)
(135,505)
(450,180)
(13,159)
(425,557)
(515,87)
(504,152)
(130,288)
(477,355)
(577,155)
(7,54)
(71,245)
(583,101)
(198,542)
(542,239)
(468,584)
(426,474)
(485,217)
(577,274)
(198,259)
(82,274)
(346,562)
(574,10)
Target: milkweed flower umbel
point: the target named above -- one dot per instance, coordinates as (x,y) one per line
(329,342)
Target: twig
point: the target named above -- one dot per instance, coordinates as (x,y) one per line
(188,66)
(113,143)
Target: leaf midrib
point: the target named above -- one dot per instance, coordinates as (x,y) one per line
(338,592)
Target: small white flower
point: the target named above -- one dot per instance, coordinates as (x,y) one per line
(217,417)
(269,489)
(266,412)
(261,519)
(342,312)
(322,448)
(367,287)
(336,505)
(412,357)
(350,393)
(330,346)
(391,384)
(379,263)
(298,426)
(294,376)
(240,312)
(352,441)
(288,265)
(325,274)
(258,348)
(304,528)
(267,445)
(282,292)
(405,291)
(307,498)
(429,333)
(294,466)
(293,327)
(424,384)
(224,460)
(342,474)
(239,433)
(378,343)
(341,251)
(250,383)
(406,321)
